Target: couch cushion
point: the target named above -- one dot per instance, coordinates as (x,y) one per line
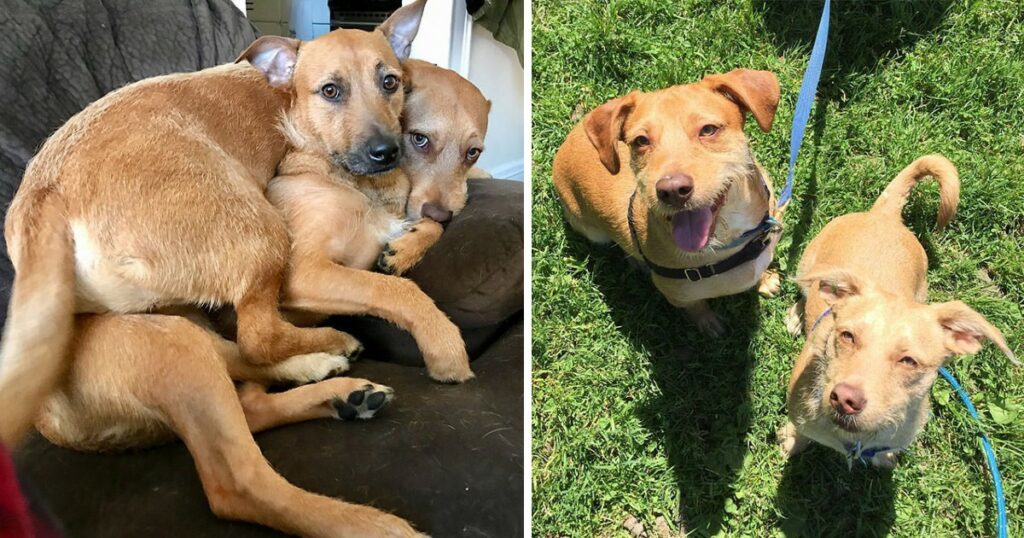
(447,457)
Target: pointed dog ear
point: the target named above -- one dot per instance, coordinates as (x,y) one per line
(834,285)
(966,330)
(604,128)
(275,57)
(756,92)
(401,28)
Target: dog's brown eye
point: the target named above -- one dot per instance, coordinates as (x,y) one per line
(641,141)
(420,140)
(708,130)
(846,336)
(472,154)
(908,361)
(331,92)
(390,83)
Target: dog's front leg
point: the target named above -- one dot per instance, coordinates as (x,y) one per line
(403,253)
(325,287)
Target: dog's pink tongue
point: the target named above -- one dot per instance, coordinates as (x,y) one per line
(691,229)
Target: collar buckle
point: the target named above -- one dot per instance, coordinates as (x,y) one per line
(692,274)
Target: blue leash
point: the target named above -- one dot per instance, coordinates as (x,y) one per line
(990,454)
(805,100)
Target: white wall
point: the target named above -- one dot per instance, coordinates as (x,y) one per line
(495,69)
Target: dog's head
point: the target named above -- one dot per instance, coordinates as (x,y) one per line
(445,122)
(346,89)
(686,146)
(885,351)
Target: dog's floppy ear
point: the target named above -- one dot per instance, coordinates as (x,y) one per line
(834,285)
(604,128)
(966,330)
(401,28)
(275,56)
(756,92)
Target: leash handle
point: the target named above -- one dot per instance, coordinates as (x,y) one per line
(805,100)
(990,454)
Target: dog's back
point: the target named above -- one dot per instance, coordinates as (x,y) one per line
(876,244)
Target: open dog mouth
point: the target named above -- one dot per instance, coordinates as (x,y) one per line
(692,229)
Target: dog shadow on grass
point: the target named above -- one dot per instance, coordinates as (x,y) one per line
(862,35)
(820,496)
(702,414)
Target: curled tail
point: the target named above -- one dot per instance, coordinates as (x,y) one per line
(895,195)
(40,322)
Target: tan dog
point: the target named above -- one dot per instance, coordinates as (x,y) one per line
(678,162)
(117,395)
(874,345)
(153,196)
(137,378)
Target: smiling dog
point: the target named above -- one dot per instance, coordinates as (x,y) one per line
(669,176)
(874,345)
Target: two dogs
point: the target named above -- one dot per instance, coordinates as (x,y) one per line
(184,211)
(669,177)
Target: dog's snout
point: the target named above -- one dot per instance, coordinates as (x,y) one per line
(382,150)
(847,399)
(674,190)
(435,212)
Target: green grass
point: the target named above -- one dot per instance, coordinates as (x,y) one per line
(634,413)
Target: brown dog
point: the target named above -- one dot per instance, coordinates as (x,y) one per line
(669,176)
(153,196)
(138,377)
(874,346)
(118,396)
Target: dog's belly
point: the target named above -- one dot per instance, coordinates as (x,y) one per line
(740,279)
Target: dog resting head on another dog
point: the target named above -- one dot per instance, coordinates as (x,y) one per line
(328,76)
(445,124)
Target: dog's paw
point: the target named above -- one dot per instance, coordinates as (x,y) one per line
(394,260)
(794,321)
(885,460)
(770,284)
(363,403)
(790,442)
(308,368)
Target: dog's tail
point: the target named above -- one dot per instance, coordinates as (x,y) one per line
(895,195)
(40,322)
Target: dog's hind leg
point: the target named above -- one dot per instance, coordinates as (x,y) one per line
(346,398)
(165,374)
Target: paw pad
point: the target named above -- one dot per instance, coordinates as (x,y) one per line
(363,403)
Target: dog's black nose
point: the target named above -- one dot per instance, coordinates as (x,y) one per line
(847,399)
(382,150)
(435,212)
(674,190)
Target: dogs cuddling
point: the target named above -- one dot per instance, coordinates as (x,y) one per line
(874,345)
(153,198)
(669,176)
